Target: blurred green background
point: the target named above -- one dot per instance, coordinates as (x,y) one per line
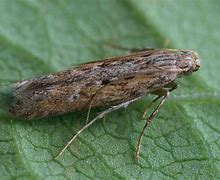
(40,37)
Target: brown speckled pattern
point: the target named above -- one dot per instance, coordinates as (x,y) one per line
(105,82)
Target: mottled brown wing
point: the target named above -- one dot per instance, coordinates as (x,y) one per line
(111,81)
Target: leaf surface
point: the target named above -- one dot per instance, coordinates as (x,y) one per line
(40,37)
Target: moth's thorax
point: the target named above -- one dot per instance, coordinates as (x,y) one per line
(180,61)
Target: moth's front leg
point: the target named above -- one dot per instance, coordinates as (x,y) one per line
(167,88)
(161,93)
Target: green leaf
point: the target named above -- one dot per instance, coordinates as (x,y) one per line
(40,37)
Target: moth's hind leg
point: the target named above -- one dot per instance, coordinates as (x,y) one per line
(99,116)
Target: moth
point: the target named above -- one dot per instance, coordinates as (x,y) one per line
(114,82)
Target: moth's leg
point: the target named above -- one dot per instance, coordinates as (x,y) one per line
(89,110)
(171,86)
(164,93)
(99,116)
(91,102)
(149,105)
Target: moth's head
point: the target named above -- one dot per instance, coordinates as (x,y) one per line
(189,61)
